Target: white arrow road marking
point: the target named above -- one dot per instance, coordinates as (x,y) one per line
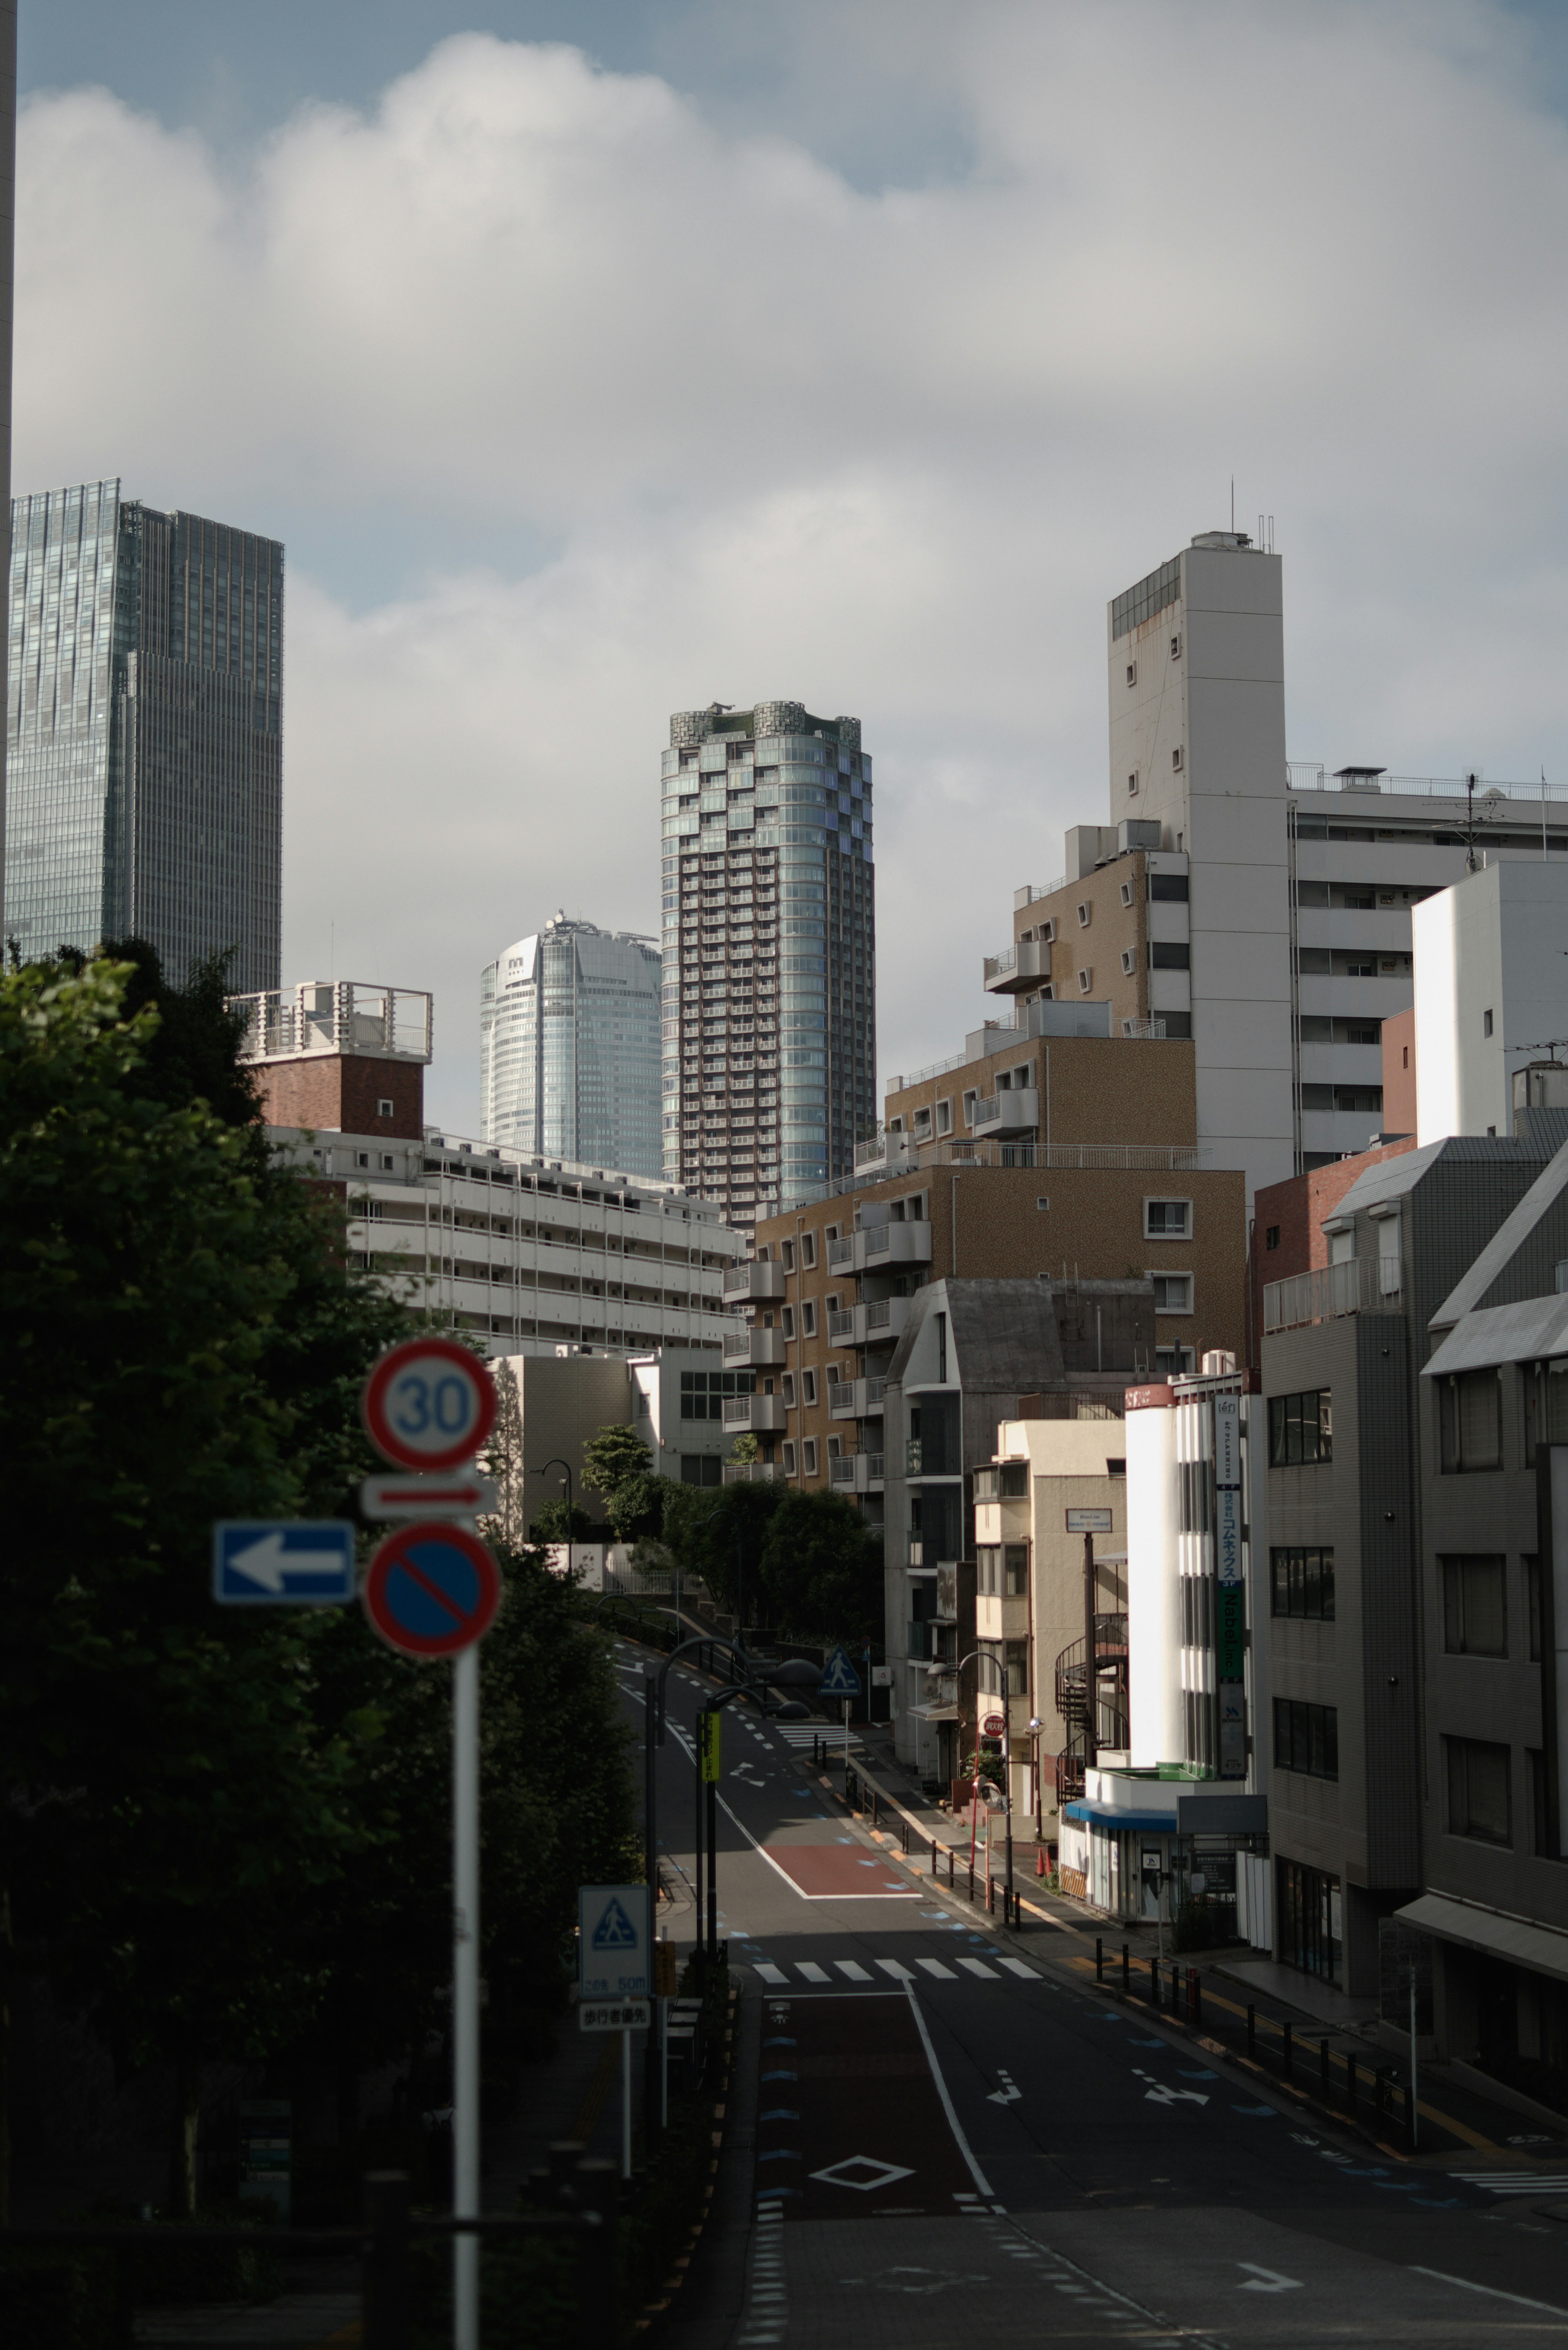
(266,1562)
(1009,2093)
(1261,2279)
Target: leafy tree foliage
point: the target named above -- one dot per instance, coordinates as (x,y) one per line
(821,1569)
(616,1463)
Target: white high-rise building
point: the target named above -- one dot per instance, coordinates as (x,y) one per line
(568,1049)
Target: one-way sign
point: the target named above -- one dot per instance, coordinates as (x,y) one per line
(283,1563)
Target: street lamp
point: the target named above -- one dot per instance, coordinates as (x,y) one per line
(978,1657)
(565,1468)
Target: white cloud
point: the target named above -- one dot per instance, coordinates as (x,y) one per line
(887,451)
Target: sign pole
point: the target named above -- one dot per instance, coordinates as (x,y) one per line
(465,1992)
(626,2101)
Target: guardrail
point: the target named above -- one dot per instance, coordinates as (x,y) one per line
(1362,1285)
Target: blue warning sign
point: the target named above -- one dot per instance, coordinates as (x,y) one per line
(613,1957)
(839,1678)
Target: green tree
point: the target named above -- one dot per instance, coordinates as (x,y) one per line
(551,1524)
(820,1569)
(616,1463)
(719,1534)
(746,1447)
(181,1340)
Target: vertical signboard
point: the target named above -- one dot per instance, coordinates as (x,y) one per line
(1231,1596)
(1553,1539)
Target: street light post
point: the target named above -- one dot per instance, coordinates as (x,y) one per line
(565,1468)
(978,1657)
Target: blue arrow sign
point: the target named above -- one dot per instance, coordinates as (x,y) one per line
(839,1678)
(283,1563)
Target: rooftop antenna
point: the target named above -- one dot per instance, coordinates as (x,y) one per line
(1232,506)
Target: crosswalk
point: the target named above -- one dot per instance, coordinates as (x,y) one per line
(804,1733)
(812,1970)
(1515,2182)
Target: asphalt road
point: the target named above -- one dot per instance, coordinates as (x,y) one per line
(952,2134)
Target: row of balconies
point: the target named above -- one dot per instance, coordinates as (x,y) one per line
(877,1323)
(856,1472)
(856,1399)
(876,1247)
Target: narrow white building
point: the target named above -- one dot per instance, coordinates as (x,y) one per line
(1491,992)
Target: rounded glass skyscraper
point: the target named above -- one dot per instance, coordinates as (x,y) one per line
(568,1047)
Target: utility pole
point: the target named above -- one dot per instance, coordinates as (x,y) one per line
(1091,1659)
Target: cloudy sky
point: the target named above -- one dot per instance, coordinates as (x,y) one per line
(600,361)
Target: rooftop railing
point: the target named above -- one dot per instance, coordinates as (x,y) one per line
(1309,775)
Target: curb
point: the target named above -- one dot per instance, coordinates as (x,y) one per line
(666,2306)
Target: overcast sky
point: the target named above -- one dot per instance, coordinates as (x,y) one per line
(598,361)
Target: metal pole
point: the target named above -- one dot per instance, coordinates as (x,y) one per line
(697,1850)
(1007,1788)
(1414,2105)
(650,2105)
(465,1992)
(625,2099)
(712,1872)
(1091,1660)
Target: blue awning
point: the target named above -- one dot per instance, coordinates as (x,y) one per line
(1106,1815)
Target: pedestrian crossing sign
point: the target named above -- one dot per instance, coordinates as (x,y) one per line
(613,1942)
(839,1678)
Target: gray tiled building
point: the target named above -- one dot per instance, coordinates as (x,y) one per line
(1356,1529)
(144,732)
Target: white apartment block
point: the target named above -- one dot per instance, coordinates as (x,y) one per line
(1264,905)
(529,1256)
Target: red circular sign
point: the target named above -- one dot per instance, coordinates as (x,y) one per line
(431,1589)
(993,1726)
(429,1404)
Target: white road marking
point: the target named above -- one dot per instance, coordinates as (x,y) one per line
(811,1971)
(1496,2292)
(1515,2182)
(1018,1967)
(935,1967)
(979,1967)
(771,1974)
(893,1967)
(1262,2279)
(975,2172)
(853,1968)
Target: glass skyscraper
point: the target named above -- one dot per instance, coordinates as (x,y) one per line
(770,969)
(144,732)
(568,1047)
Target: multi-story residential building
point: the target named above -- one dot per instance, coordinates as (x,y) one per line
(1358,1528)
(769,950)
(1260,904)
(568,1047)
(1117,1190)
(534,1253)
(144,732)
(1492,995)
(1494,1633)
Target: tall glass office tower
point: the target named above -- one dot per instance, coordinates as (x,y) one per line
(770,963)
(144,732)
(568,1047)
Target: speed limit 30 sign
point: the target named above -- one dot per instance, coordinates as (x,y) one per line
(429,1404)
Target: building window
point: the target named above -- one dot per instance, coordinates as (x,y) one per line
(1172,1291)
(969,1100)
(1176,649)
(1540,1826)
(808,1387)
(789,1459)
(1486,1023)
(988,1571)
(787,1386)
(808,1456)
(1532,1602)
(1170,954)
(1132,672)
(362,1159)
(386,1162)
(1086,979)
(1175,759)
(832,1308)
(1301,1429)
(1469,1410)
(1303,1583)
(1127,893)
(1307,1738)
(1015,1664)
(1479,1790)
(1130,961)
(1271,1236)
(809,1318)
(1475,1604)
(787,1253)
(1041,1204)
(702,1393)
(1085,911)
(945,1116)
(1310,1918)
(808,1248)
(941,1346)
(1546,1400)
(1047,931)
(388,1109)
(1168,1220)
(786,1321)
(1015,1570)
(1169,1362)
(1132,784)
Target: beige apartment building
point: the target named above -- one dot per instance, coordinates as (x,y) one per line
(1115,1194)
(1114,930)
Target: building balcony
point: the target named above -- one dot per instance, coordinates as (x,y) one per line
(339,1016)
(856,1472)
(874,1249)
(887,1154)
(856,1399)
(1027,964)
(762,1349)
(1016,1111)
(1362,1285)
(761,1284)
(751,1472)
(876,1324)
(760,1415)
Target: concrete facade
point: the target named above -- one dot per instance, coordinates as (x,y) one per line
(1491,992)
